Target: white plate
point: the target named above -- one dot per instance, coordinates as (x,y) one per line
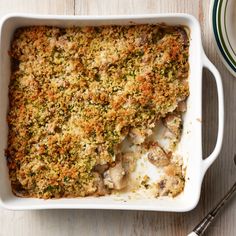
(223,21)
(190,146)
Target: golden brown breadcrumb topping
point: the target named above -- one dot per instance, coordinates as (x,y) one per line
(76,93)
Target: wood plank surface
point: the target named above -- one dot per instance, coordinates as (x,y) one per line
(218,179)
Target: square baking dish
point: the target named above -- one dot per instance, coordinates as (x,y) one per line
(190,146)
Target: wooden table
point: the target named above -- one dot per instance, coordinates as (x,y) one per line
(218,179)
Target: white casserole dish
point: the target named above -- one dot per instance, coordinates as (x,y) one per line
(191,142)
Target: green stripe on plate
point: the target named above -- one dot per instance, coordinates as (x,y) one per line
(221,34)
(226,32)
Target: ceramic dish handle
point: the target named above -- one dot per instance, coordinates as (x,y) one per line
(209,160)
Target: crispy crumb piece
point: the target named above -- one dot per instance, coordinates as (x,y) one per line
(145,181)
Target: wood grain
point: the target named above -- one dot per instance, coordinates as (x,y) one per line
(218,180)
(60,7)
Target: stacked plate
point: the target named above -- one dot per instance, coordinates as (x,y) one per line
(223,20)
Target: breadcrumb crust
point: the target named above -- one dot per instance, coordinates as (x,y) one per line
(75,93)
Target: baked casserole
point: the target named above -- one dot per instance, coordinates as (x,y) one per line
(76,95)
